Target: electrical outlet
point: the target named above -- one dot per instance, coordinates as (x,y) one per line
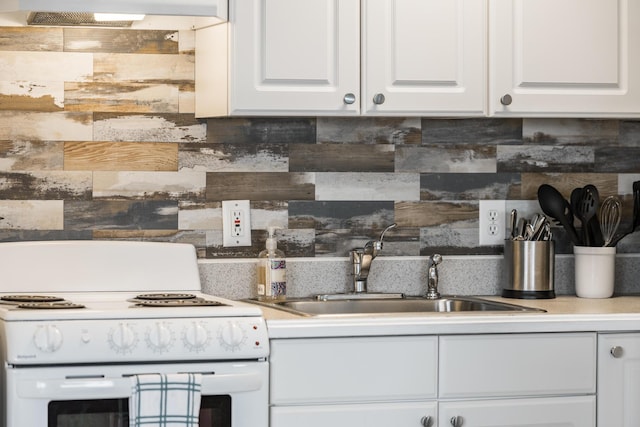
(492,222)
(236,223)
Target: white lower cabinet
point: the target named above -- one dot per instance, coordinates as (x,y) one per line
(399,414)
(490,380)
(619,380)
(574,411)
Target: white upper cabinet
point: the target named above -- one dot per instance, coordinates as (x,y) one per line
(292,57)
(424,57)
(564,58)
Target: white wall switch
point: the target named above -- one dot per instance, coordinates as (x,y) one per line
(236,223)
(492,222)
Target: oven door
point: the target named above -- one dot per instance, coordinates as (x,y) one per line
(233,394)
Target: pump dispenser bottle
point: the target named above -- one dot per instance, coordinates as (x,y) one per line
(272,271)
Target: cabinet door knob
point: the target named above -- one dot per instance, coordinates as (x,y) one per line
(616,351)
(425,421)
(378,99)
(349,98)
(506,100)
(456,421)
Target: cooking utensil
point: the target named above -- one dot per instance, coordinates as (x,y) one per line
(557,207)
(591,192)
(576,196)
(513,224)
(636,206)
(610,214)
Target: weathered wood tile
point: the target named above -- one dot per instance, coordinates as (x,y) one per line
(31,156)
(19,235)
(617,159)
(260,157)
(472,131)
(367,186)
(31,96)
(45,185)
(437,213)
(454,240)
(449,158)
(369,130)
(565,183)
(630,133)
(200,215)
(341,158)
(261,130)
(338,242)
(196,238)
(46,66)
(186,41)
(260,186)
(121,215)
(570,131)
(151,68)
(549,158)
(115,40)
(265,214)
(120,156)
(149,185)
(158,127)
(337,215)
(32,214)
(121,97)
(470,186)
(37,126)
(31,39)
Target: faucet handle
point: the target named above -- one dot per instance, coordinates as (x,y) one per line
(394,225)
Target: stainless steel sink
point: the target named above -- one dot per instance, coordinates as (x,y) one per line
(333,307)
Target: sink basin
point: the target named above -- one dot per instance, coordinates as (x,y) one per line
(332,307)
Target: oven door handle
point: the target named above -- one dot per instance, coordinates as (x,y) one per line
(102,387)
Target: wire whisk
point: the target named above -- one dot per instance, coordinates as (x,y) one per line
(610,214)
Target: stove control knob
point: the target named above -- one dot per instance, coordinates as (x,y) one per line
(159,337)
(47,338)
(232,336)
(123,338)
(196,336)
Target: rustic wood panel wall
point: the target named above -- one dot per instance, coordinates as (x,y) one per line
(98,140)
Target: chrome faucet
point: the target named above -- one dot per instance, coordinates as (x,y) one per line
(361,259)
(432,277)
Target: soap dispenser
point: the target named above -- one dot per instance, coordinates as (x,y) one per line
(272,271)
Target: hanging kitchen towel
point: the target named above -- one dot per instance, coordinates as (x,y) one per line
(160,400)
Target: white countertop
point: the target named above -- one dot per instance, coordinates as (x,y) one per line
(563,314)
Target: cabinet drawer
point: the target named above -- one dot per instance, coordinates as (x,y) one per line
(401,414)
(344,370)
(517,365)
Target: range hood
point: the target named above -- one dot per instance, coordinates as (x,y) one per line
(205,8)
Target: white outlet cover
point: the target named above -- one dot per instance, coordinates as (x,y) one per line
(229,239)
(485,225)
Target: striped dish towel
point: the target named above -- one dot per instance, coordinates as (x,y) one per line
(160,400)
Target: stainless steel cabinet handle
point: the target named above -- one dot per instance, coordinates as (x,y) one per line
(506,100)
(349,98)
(616,352)
(425,421)
(378,99)
(456,421)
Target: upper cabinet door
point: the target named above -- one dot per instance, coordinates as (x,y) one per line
(424,57)
(565,57)
(294,57)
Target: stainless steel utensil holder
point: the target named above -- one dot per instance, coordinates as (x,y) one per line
(529,269)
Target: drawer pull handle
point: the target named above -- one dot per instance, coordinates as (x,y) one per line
(617,352)
(457,421)
(426,421)
(378,99)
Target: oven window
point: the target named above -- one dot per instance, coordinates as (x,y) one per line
(215,411)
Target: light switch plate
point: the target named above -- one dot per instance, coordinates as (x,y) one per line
(236,223)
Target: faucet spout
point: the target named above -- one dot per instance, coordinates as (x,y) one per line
(361,259)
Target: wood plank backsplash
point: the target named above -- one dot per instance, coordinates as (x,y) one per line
(98,140)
